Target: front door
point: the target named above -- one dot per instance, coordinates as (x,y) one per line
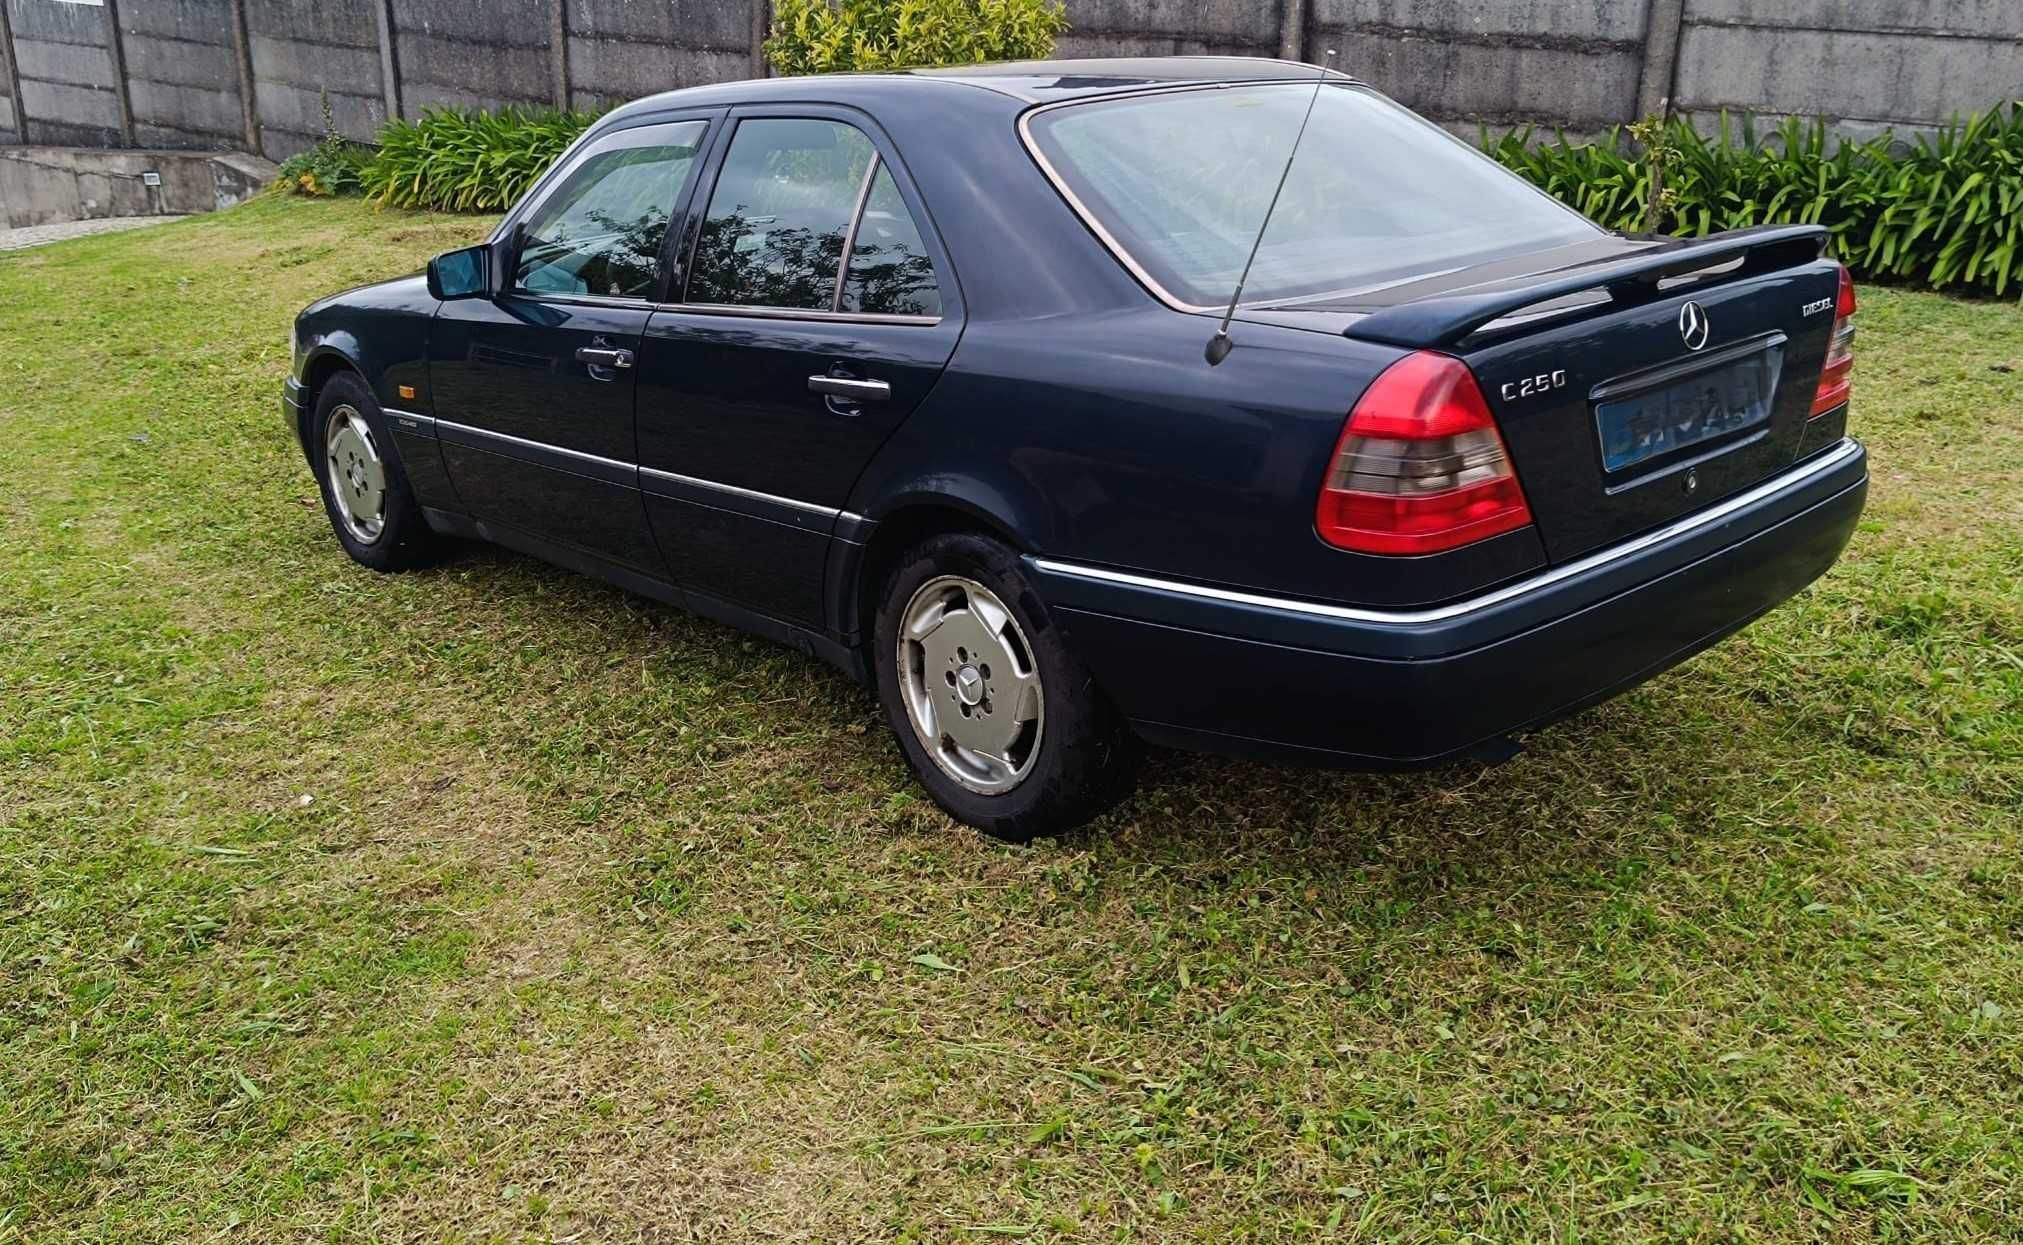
(817,314)
(534,389)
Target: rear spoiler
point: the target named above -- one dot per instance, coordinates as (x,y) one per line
(1445,319)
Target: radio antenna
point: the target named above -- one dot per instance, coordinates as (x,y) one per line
(1219,345)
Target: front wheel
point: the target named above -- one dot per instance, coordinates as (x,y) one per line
(372,510)
(999,720)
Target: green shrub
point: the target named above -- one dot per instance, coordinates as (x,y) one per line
(1946,211)
(836,36)
(464,160)
(334,166)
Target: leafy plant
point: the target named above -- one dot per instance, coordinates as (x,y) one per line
(1945,211)
(334,166)
(465,160)
(836,36)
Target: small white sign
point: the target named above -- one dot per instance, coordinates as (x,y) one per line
(151,179)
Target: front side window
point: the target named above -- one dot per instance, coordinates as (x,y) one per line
(600,231)
(1181,180)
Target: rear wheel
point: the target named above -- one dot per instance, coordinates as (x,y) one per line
(365,493)
(999,720)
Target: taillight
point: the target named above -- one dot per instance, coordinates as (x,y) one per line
(1836,379)
(1420,466)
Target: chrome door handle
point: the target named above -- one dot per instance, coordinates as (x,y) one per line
(851,388)
(599,356)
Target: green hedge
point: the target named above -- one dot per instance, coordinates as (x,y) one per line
(1945,212)
(840,36)
(464,160)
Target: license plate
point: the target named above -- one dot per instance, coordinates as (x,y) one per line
(1660,422)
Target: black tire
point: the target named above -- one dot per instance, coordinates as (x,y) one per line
(1082,759)
(402,540)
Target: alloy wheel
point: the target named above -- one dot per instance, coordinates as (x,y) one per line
(970,684)
(357,476)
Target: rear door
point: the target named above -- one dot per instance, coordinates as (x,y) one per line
(1625,421)
(816,311)
(534,389)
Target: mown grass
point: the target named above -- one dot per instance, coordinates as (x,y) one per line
(489,903)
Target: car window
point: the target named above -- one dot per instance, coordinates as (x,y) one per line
(600,231)
(774,232)
(1376,195)
(890,272)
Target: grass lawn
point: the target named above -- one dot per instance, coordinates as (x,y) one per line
(489,903)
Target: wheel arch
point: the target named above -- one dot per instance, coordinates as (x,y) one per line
(324,363)
(896,529)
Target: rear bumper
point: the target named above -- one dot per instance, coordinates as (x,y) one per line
(1236,672)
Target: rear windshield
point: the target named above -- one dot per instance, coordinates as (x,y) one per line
(1180,181)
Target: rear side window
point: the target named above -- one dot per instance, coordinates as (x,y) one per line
(792,195)
(1180,180)
(780,214)
(890,272)
(600,231)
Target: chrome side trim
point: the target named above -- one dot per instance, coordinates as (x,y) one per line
(611,468)
(795,313)
(749,494)
(1825,463)
(477,437)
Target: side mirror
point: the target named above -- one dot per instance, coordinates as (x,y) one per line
(459,274)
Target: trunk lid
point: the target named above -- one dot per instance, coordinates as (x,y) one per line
(1624,408)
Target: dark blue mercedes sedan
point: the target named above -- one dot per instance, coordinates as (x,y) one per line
(1219,403)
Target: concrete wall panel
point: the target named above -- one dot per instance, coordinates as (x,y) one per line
(1995,19)
(1560,62)
(1608,21)
(623,49)
(76,63)
(722,25)
(479,53)
(71,115)
(304,51)
(1494,85)
(1910,81)
(344,23)
(1154,27)
(604,72)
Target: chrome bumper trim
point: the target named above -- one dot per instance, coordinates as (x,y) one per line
(1829,461)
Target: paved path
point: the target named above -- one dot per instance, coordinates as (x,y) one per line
(36,235)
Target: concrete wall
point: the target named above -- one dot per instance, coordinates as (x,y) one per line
(46,185)
(307,52)
(1869,64)
(623,49)
(63,59)
(1172,28)
(1575,63)
(182,73)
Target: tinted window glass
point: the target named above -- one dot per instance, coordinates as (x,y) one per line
(890,272)
(1376,195)
(600,231)
(773,236)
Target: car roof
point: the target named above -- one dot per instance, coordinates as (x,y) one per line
(1024,81)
